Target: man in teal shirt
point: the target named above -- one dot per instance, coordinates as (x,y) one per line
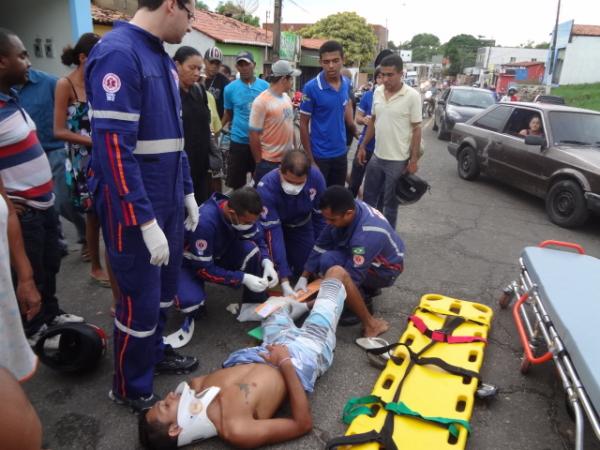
(239,96)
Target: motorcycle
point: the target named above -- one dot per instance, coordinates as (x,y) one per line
(428,104)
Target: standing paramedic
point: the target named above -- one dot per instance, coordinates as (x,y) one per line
(325,113)
(140,181)
(396,123)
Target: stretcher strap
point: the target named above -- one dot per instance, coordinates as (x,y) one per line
(441,335)
(358,406)
(450,314)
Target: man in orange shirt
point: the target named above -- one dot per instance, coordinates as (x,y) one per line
(272,120)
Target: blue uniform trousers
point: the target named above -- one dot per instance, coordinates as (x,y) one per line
(241,255)
(146,293)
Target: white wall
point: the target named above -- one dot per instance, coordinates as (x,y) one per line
(582,61)
(492,56)
(45,19)
(195,39)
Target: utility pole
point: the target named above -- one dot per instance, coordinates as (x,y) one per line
(553,53)
(276,30)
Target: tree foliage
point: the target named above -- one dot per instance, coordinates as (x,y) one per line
(543,45)
(201,5)
(351,30)
(461,50)
(234,10)
(423,46)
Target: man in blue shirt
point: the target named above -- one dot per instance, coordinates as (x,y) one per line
(239,96)
(325,113)
(37,98)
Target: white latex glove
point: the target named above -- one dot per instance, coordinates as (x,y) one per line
(287,289)
(270,274)
(156,243)
(301,285)
(254,283)
(191,221)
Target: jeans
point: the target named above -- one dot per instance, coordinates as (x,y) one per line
(357,173)
(63,204)
(40,237)
(262,168)
(382,176)
(333,169)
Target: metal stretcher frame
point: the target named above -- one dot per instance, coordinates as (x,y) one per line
(535,325)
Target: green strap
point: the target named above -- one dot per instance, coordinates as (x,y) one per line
(357,406)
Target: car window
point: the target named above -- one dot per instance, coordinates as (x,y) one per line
(472,98)
(575,128)
(495,119)
(445,94)
(519,122)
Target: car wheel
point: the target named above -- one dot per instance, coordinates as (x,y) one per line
(442,132)
(565,204)
(434,127)
(468,164)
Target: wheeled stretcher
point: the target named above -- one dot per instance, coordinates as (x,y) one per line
(424,397)
(556,312)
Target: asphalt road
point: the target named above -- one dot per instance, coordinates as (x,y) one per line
(463,240)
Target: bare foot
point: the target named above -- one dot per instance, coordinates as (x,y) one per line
(100,277)
(375,327)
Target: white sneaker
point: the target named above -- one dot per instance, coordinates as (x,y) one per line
(66,318)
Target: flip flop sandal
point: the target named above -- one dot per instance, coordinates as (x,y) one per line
(369,343)
(105,283)
(85,254)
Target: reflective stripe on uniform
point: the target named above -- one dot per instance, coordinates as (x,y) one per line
(248,257)
(318,249)
(137,334)
(117,115)
(157,146)
(381,230)
(188,255)
(166,304)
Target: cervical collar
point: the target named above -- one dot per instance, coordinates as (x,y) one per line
(191,414)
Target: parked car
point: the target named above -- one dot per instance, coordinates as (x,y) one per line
(458,104)
(554,99)
(561,166)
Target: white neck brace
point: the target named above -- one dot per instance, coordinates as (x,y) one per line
(191,414)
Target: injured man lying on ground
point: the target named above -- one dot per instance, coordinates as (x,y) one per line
(237,403)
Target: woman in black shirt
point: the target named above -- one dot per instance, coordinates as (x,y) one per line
(196,119)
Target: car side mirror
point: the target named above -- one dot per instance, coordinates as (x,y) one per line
(441,102)
(531,139)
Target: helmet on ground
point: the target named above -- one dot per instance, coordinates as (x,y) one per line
(410,188)
(71,347)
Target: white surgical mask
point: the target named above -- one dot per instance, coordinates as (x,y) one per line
(292,189)
(242,226)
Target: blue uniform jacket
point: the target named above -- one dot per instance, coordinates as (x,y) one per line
(369,243)
(211,240)
(281,209)
(138,160)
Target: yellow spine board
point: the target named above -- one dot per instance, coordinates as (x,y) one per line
(429,390)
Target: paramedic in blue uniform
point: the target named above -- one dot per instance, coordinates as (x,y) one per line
(140,180)
(227,248)
(291,217)
(358,238)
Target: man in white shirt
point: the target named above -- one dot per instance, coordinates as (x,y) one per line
(396,125)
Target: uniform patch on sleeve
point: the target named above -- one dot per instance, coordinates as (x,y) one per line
(111,83)
(305,98)
(358,250)
(358,260)
(201,245)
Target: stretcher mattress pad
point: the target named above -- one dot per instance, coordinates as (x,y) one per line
(569,286)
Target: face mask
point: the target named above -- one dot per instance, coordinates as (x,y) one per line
(291,189)
(240,226)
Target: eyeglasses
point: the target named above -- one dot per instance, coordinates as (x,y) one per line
(190,14)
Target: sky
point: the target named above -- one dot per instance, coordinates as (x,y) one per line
(509,22)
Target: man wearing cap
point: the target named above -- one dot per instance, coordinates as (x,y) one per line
(272,120)
(239,95)
(238,403)
(215,81)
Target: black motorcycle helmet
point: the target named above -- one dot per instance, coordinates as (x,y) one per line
(80,347)
(410,188)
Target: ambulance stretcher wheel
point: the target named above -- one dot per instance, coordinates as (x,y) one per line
(504,300)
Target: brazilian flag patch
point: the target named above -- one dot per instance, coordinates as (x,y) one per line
(358,250)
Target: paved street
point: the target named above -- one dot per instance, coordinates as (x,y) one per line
(463,240)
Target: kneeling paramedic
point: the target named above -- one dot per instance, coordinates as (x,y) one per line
(291,217)
(237,403)
(226,248)
(358,238)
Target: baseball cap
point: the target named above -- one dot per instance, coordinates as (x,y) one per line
(245,56)
(213,54)
(283,68)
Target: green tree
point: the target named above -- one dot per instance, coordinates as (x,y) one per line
(543,45)
(201,5)
(461,50)
(424,46)
(351,30)
(237,12)
(392,46)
